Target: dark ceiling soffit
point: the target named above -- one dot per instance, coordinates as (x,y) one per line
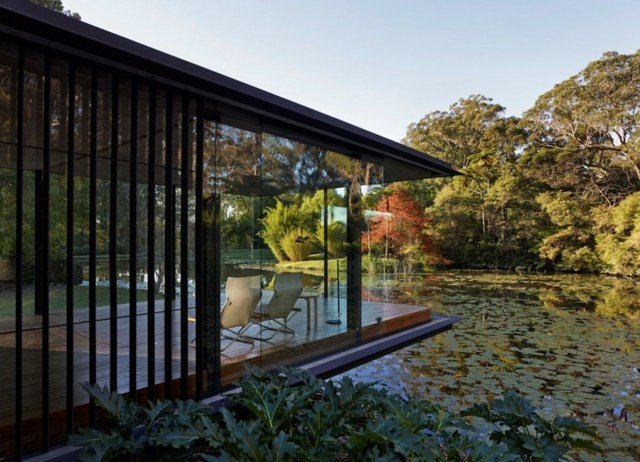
(25,16)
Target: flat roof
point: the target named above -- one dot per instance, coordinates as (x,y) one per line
(20,18)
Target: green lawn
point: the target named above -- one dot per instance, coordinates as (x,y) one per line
(245,255)
(313,266)
(58,299)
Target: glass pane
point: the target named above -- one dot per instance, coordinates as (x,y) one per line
(57,258)
(141,197)
(103,202)
(31,307)
(191,239)
(123,234)
(158,278)
(8,131)
(238,195)
(304,223)
(82,135)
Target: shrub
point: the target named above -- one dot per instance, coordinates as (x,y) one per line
(270,420)
(336,237)
(280,221)
(296,251)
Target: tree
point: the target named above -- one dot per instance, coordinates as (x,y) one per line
(585,135)
(584,151)
(56,5)
(479,218)
(399,230)
(618,236)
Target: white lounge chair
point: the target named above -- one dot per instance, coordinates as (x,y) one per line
(243,295)
(280,309)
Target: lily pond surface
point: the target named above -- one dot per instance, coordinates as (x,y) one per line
(569,343)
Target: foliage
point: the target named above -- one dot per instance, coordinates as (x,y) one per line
(553,190)
(272,420)
(284,222)
(164,430)
(336,237)
(279,221)
(618,239)
(568,342)
(526,434)
(294,250)
(397,228)
(623,299)
(56,5)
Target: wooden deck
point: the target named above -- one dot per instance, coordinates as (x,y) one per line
(377,319)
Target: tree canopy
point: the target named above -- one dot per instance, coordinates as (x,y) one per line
(56,5)
(557,188)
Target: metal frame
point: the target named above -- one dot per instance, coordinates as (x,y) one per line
(199,248)
(151,248)
(70,227)
(169,258)
(184,250)
(93,199)
(136,58)
(113,229)
(44,265)
(78,44)
(133,243)
(18,257)
(238,336)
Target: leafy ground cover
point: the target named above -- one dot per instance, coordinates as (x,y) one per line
(316,420)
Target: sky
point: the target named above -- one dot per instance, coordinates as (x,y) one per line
(381,64)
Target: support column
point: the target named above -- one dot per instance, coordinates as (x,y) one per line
(354,258)
(211,291)
(325,256)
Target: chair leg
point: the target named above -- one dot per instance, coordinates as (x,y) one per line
(236,337)
(283,327)
(261,338)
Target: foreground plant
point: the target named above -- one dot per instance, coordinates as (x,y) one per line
(316,420)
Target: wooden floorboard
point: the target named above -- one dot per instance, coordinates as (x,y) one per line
(377,319)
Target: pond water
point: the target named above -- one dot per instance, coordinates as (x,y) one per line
(569,343)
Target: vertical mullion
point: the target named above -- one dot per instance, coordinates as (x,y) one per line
(151,233)
(93,198)
(168,247)
(44,299)
(184,251)
(214,259)
(18,253)
(325,243)
(198,245)
(70,215)
(113,210)
(133,236)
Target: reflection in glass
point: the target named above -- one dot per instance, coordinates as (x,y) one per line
(8,322)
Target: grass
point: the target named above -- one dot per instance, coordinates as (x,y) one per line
(245,255)
(58,299)
(314,266)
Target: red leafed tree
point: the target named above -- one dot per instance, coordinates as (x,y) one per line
(400,229)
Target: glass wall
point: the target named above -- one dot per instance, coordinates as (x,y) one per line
(233,251)
(9,319)
(97,242)
(282,219)
(156,242)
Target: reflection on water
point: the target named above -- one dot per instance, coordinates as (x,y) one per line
(570,343)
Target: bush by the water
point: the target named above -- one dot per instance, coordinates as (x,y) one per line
(316,420)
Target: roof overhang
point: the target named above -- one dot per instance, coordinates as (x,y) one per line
(36,24)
